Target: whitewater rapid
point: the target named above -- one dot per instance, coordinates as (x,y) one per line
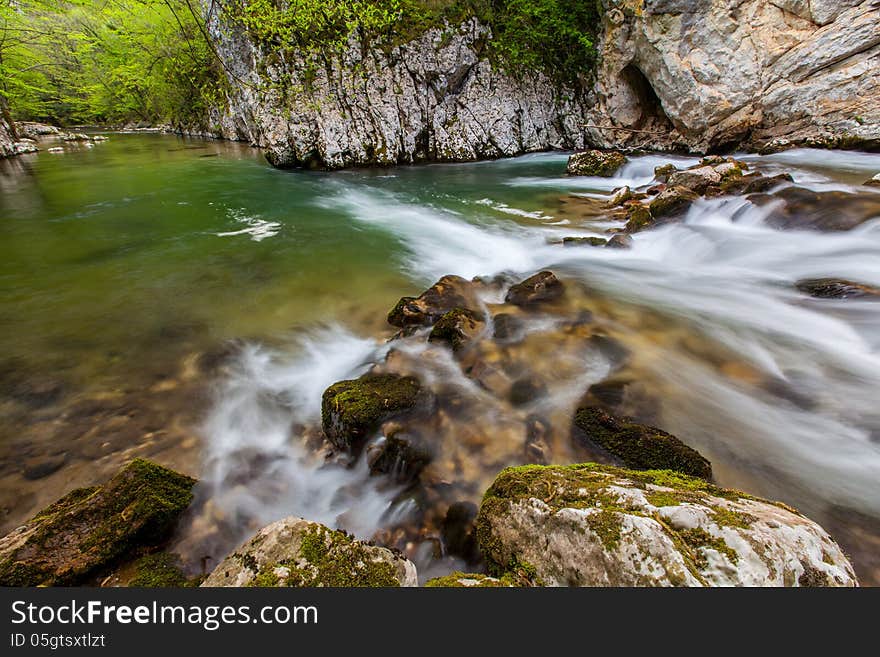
(722,274)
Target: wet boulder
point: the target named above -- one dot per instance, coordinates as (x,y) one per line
(457,328)
(93,528)
(672,201)
(837,288)
(637,445)
(352,410)
(662,172)
(873,182)
(400,456)
(595,163)
(697,179)
(447,293)
(828,211)
(584,241)
(594,525)
(299,553)
(620,241)
(540,288)
(638,218)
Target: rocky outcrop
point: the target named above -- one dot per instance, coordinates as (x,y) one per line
(707,74)
(91,528)
(592,525)
(434,98)
(296,552)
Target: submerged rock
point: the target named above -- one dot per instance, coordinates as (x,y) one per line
(296,552)
(584,241)
(91,528)
(457,531)
(457,328)
(446,294)
(506,326)
(593,525)
(351,410)
(543,286)
(672,201)
(620,241)
(637,445)
(400,456)
(595,163)
(804,209)
(837,288)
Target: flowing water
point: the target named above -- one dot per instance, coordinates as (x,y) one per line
(181,300)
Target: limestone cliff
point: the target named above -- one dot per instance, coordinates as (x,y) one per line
(697,75)
(715,73)
(7,135)
(434,98)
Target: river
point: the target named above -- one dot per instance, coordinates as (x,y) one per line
(181,300)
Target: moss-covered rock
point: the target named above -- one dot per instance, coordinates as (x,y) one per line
(93,528)
(596,525)
(595,163)
(352,410)
(637,445)
(457,328)
(638,218)
(296,552)
(447,293)
(662,172)
(584,241)
(837,288)
(468,580)
(540,288)
(159,570)
(672,201)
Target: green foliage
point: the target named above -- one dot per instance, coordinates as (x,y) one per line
(556,36)
(106,61)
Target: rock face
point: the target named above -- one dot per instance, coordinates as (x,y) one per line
(434,98)
(592,525)
(7,134)
(296,552)
(712,73)
(93,527)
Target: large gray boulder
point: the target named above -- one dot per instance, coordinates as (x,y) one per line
(594,525)
(297,552)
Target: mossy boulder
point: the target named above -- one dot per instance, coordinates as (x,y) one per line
(672,201)
(638,218)
(299,553)
(468,580)
(93,528)
(159,570)
(837,288)
(352,410)
(637,445)
(584,241)
(595,163)
(457,328)
(447,293)
(540,288)
(596,525)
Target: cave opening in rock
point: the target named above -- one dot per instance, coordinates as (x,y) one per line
(652,113)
